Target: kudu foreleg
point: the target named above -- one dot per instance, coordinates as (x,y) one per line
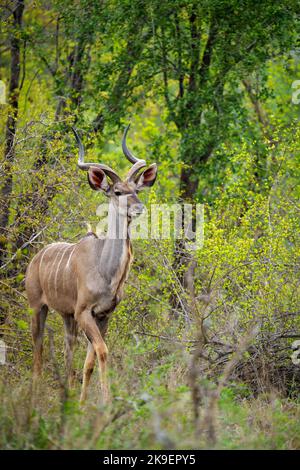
(89,325)
(87,370)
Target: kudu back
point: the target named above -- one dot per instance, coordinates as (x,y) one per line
(84,281)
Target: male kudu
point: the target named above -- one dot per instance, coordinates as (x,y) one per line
(84,281)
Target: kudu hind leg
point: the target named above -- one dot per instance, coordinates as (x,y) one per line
(90,327)
(70,340)
(37,330)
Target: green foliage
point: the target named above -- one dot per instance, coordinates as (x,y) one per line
(207,87)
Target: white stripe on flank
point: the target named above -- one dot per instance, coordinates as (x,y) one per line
(52,262)
(52,268)
(68,262)
(56,273)
(67,267)
(48,248)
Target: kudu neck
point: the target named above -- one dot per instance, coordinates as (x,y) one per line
(115,252)
(118,223)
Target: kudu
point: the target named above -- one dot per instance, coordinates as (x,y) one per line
(84,281)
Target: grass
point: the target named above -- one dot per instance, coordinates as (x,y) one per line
(151,409)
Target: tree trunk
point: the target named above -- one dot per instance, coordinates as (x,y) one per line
(184,263)
(11,124)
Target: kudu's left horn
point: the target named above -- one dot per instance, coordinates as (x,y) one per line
(85,166)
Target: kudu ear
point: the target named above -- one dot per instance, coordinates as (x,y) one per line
(97,179)
(147,178)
